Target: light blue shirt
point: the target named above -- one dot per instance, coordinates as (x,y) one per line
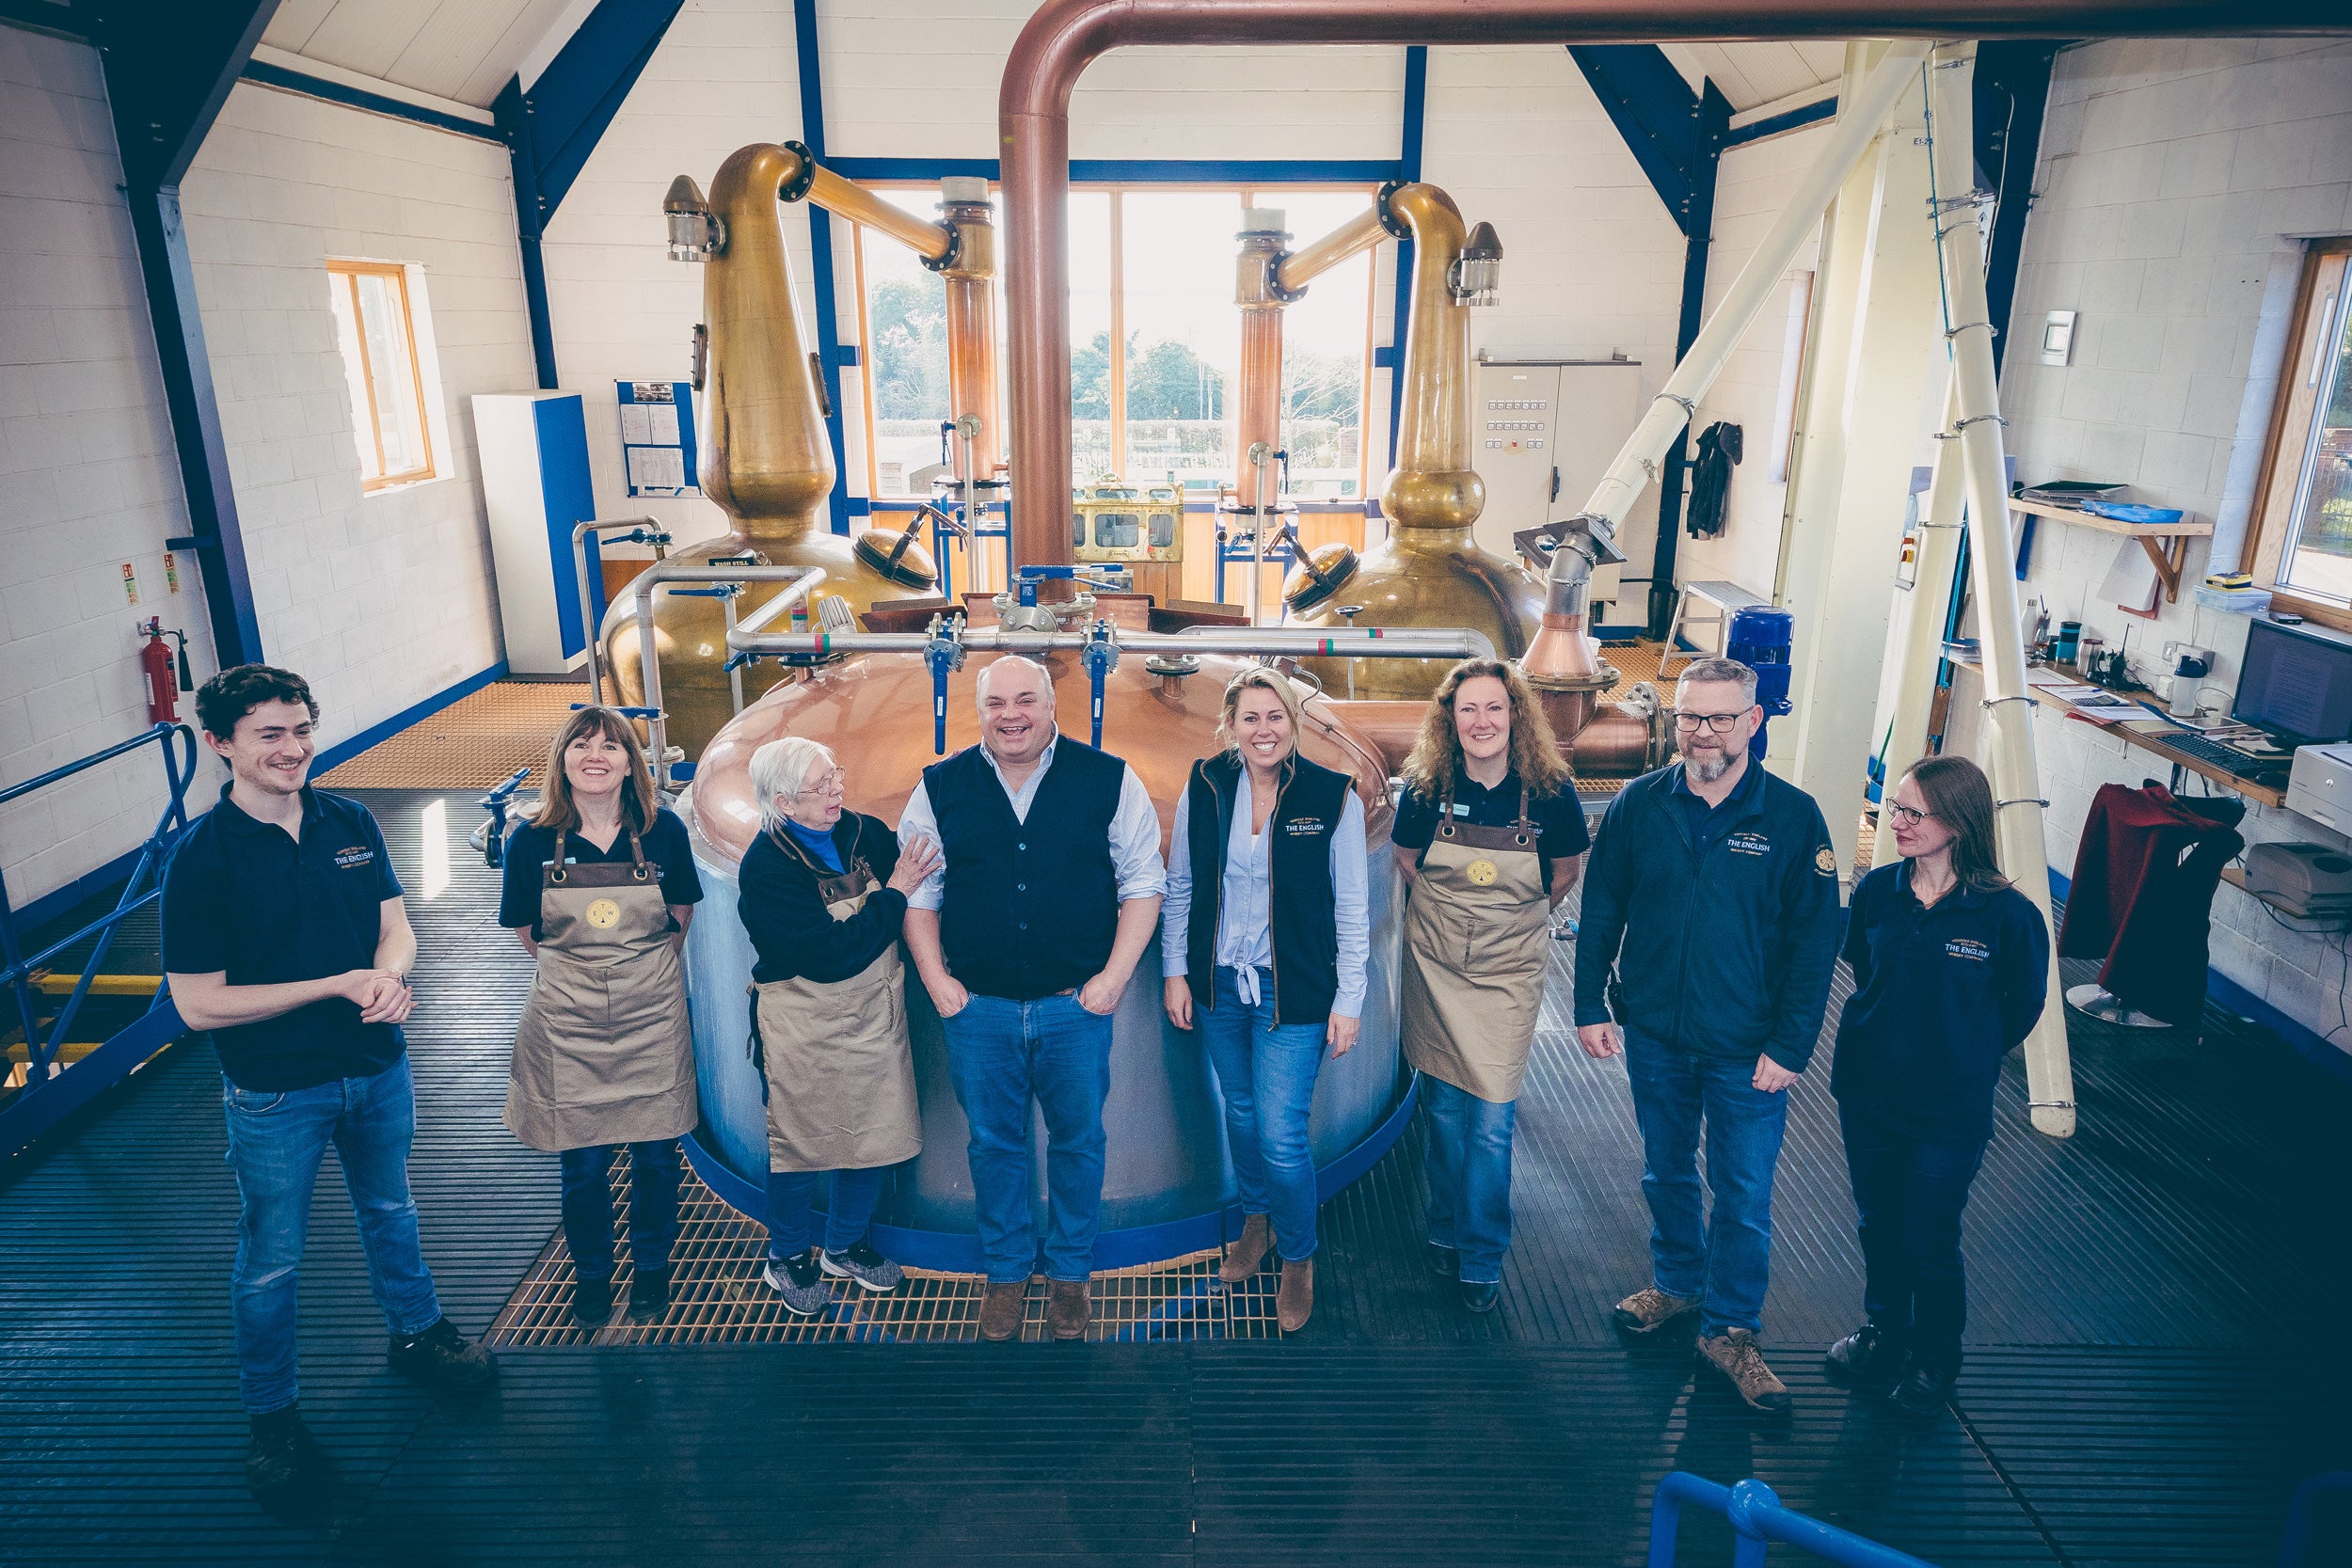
(1245,936)
(1135,830)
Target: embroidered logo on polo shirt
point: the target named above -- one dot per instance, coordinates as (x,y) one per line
(604,914)
(1968,947)
(1748,844)
(1303,827)
(352,858)
(1825,860)
(1482,873)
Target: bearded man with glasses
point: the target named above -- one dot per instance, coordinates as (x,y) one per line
(1708,937)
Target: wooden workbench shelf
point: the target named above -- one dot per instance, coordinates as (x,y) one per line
(2166,544)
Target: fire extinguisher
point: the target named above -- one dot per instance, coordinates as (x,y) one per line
(156,665)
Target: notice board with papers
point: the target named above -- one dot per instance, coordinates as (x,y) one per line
(657,437)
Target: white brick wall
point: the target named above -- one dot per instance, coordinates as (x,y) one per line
(88,470)
(382,600)
(2174,179)
(1751,188)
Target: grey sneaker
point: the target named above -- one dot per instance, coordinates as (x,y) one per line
(870,1269)
(1647,1311)
(1733,1353)
(800,1282)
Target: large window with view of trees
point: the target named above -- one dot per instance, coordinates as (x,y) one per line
(2303,520)
(1154,343)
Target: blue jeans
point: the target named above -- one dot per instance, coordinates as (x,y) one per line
(653,1178)
(1468,1164)
(1725,1261)
(1001,1055)
(1265,1074)
(792,1193)
(275,1142)
(1910,1196)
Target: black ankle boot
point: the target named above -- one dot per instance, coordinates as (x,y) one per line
(591,1302)
(648,1295)
(283,1460)
(1869,1358)
(1926,1387)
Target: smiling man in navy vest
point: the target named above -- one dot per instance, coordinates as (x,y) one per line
(1026,939)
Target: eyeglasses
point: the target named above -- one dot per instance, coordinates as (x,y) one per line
(835,783)
(1905,817)
(1720,722)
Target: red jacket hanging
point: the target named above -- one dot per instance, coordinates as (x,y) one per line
(2142,898)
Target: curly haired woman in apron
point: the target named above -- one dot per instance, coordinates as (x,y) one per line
(600,886)
(1490,837)
(825,894)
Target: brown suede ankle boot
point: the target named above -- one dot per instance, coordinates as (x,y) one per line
(1066,1308)
(1002,1308)
(1244,1255)
(1295,1301)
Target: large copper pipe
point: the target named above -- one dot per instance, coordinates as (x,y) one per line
(851,200)
(1433,484)
(1351,238)
(971,277)
(1258,398)
(1064,37)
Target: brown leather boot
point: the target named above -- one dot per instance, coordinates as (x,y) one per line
(1295,1301)
(1244,1255)
(1066,1308)
(1001,1309)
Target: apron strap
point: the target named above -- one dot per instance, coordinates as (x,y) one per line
(1445,812)
(637,857)
(1526,824)
(555,863)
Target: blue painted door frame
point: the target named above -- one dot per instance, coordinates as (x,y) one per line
(168,68)
(1678,137)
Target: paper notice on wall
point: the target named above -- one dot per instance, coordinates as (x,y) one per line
(890,479)
(637,425)
(662,422)
(657,469)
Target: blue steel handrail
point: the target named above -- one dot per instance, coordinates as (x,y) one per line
(1757,1518)
(179,774)
(2295,1550)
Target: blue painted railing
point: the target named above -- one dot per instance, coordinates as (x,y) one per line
(2302,1532)
(50,1093)
(1757,1519)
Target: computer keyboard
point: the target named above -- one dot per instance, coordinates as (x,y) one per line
(2241,764)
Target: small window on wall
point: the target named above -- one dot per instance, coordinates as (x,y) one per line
(382,371)
(2304,547)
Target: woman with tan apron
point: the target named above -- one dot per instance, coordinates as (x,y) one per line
(1491,838)
(600,886)
(823,896)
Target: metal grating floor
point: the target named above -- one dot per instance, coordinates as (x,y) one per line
(716,1296)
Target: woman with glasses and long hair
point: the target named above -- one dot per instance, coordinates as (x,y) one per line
(600,887)
(1263,939)
(824,897)
(1950,970)
(1490,837)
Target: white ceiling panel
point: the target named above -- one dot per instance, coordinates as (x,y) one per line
(458,48)
(1753,73)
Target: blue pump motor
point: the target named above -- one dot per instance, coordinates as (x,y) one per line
(1760,636)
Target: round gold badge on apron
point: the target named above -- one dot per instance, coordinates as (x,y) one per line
(604,914)
(1482,873)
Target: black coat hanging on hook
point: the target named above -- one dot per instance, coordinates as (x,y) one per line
(1710,478)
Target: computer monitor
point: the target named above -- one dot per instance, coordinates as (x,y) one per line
(2296,683)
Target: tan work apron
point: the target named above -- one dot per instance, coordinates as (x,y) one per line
(840,1073)
(1477,935)
(604,1053)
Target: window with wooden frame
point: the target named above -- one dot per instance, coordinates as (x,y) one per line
(2303,511)
(1151,269)
(382,371)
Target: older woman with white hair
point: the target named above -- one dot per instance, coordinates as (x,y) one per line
(824,896)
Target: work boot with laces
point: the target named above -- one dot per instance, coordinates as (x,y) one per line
(444,1360)
(1733,1353)
(1647,1311)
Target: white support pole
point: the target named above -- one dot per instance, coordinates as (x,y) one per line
(1860,117)
(1917,648)
(2008,711)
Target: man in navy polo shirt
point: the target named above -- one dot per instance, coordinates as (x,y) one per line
(1717,883)
(285,935)
(1025,939)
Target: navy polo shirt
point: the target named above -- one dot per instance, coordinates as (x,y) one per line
(1708,823)
(528,847)
(1560,833)
(1941,993)
(244,898)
